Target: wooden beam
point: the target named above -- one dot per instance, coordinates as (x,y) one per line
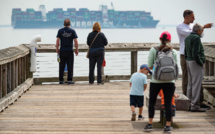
(13,74)
(133,62)
(4,80)
(19,71)
(16,72)
(1,81)
(211,68)
(12,53)
(206,68)
(8,77)
(15,94)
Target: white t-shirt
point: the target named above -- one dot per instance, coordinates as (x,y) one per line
(183,31)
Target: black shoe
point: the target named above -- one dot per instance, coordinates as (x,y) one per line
(205,106)
(148,128)
(140,117)
(100,83)
(167,129)
(198,109)
(61,82)
(91,83)
(71,82)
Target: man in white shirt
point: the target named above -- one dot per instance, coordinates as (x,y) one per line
(183,30)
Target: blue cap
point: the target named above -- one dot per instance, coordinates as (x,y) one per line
(146,66)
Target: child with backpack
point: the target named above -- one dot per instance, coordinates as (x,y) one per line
(163,103)
(163,61)
(138,84)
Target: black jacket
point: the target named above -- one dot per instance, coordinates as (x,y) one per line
(100,41)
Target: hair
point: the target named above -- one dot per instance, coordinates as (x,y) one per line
(67,22)
(187,13)
(197,27)
(96,27)
(163,46)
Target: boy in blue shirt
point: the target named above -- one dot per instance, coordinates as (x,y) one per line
(138,84)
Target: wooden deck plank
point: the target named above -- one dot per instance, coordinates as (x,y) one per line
(92,109)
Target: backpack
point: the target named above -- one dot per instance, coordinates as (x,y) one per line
(165,68)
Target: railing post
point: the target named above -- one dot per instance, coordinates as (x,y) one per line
(13,75)
(19,71)
(1,81)
(16,72)
(9,77)
(206,68)
(211,68)
(29,73)
(4,80)
(133,62)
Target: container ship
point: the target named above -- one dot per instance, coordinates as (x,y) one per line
(82,18)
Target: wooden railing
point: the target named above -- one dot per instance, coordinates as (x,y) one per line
(14,74)
(133,48)
(15,65)
(209,74)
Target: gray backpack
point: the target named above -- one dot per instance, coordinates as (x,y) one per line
(165,68)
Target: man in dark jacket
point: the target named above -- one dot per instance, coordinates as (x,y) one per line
(65,39)
(195,59)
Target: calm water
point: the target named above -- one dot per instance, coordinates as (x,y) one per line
(118,63)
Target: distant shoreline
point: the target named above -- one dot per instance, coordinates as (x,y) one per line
(5,25)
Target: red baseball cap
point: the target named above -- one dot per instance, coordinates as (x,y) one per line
(168,35)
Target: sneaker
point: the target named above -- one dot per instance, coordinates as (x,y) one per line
(61,82)
(205,106)
(148,128)
(140,117)
(167,129)
(100,83)
(71,82)
(133,116)
(198,109)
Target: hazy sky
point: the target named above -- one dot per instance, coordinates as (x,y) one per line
(167,11)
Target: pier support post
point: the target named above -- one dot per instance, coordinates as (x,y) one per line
(133,62)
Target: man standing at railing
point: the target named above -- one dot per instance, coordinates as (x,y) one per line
(183,30)
(65,39)
(195,59)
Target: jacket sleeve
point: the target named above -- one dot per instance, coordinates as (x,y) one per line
(151,57)
(105,40)
(196,51)
(88,40)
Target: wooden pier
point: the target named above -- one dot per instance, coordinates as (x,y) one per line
(82,108)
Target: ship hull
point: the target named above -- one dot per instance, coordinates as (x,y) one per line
(83,24)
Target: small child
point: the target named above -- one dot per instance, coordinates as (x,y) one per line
(163,103)
(138,84)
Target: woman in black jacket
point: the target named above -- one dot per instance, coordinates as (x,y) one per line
(96,53)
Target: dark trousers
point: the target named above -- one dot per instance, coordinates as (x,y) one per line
(184,74)
(168,90)
(96,57)
(66,58)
